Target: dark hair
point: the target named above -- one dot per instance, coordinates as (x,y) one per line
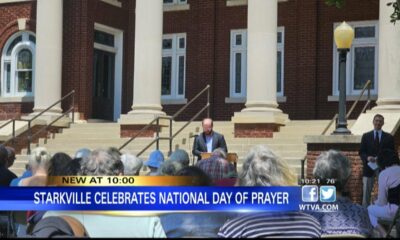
(58,163)
(387,157)
(3,156)
(73,167)
(200,178)
(378,115)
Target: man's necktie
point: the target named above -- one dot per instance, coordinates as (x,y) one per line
(376,140)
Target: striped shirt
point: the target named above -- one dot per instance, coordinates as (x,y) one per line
(262,225)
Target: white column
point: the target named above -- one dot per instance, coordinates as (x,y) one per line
(48,72)
(261,105)
(389,60)
(148,55)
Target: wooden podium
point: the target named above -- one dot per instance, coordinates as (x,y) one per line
(231,157)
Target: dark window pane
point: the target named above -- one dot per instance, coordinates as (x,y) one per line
(279,37)
(364,66)
(238,40)
(182,43)
(279,72)
(8,77)
(24,59)
(24,81)
(238,73)
(12,45)
(181,74)
(168,1)
(166,75)
(365,32)
(104,38)
(167,44)
(32,38)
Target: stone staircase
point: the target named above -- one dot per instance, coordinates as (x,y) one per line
(288,143)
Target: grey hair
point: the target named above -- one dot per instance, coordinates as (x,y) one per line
(39,157)
(102,163)
(262,167)
(180,156)
(169,168)
(132,164)
(219,152)
(332,165)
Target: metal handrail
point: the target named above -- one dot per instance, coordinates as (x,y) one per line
(367,86)
(30,135)
(171,119)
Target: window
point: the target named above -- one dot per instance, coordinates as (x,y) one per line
(362,60)
(173,66)
(18,65)
(238,63)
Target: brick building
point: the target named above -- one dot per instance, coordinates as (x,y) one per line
(204,42)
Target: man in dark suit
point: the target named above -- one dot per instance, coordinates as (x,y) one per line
(208,140)
(371,143)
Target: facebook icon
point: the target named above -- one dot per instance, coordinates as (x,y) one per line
(309,193)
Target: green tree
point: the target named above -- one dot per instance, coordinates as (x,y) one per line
(395,16)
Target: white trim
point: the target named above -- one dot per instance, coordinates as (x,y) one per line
(174,101)
(243,99)
(16,99)
(176,7)
(175,52)
(364,42)
(352,98)
(233,3)
(118,50)
(14,1)
(115,3)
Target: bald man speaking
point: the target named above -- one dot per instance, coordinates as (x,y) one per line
(208,140)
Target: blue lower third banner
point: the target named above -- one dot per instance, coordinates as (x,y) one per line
(151,198)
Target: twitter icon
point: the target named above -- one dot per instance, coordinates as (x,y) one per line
(327,193)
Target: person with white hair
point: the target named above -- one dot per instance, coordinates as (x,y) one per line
(350,219)
(102,163)
(39,161)
(262,167)
(132,164)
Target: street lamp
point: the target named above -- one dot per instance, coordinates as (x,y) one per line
(344,35)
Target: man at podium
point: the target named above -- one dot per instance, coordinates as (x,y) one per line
(208,140)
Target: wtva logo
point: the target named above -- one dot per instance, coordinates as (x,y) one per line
(326,194)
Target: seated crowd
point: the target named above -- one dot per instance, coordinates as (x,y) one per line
(261,167)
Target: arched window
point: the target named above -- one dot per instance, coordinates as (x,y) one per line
(18,65)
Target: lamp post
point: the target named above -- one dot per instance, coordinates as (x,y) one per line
(344,35)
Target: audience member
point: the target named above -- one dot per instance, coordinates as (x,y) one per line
(11,156)
(6,176)
(351,218)
(217,167)
(58,227)
(82,153)
(204,224)
(169,168)
(155,160)
(39,161)
(132,164)
(58,164)
(102,163)
(28,173)
(388,189)
(263,168)
(180,156)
